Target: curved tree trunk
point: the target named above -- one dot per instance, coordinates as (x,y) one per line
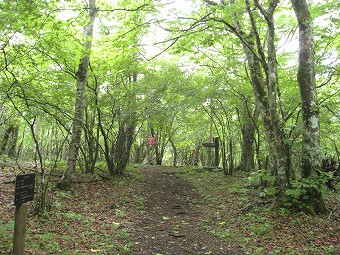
(311,153)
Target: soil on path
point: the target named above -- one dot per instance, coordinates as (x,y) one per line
(173,218)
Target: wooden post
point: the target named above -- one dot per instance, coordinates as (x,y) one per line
(20,229)
(217,144)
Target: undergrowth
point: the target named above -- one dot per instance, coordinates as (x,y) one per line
(91,219)
(250,221)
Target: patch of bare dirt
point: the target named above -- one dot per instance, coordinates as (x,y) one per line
(171,222)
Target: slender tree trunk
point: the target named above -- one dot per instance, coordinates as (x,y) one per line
(123,146)
(231,157)
(209,150)
(91,134)
(265,92)
(263,76)
(78,120)
(162,142)
(195,154)
(174,148)
(13,142)
(140,152)
(248,128)
(5,139)
(311,153)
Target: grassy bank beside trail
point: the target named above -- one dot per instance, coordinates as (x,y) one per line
(93,218)
(251,224)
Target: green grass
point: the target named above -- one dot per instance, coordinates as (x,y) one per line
(236,215)
(82,222)
(6,234)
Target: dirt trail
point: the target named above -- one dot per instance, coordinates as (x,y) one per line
(171,221)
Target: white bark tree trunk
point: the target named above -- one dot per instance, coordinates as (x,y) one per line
(311,153)
(78,119)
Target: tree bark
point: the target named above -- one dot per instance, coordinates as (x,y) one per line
(311,153)
(248,128)
(140,153)
(13,142)
(5,139)
(265,92)
(174,148)
(78,119)
(195,154)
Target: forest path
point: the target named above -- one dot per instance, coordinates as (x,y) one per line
(172,219)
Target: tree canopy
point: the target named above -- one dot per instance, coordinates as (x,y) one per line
(85,83)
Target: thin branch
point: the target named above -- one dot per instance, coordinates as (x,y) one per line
(328,80)
(333,112)
(330,96)
(239,33)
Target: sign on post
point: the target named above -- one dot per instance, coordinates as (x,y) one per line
(215,145)
(152,140)
(208,145)
(24,192)
(24,189)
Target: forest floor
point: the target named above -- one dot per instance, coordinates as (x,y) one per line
(162,210)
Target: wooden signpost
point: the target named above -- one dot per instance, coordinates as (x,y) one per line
(215,145)
(24,192)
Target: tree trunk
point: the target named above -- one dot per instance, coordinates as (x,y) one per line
(91,146)
(5,139)
(263,75)
(159,155)
(265,92)
(311,153)
(13,142)
(195,154)
(122,148)
(81,75)
(209,150)
(162,142)
(248,129)
(140,153)
(174,148)
(231,158)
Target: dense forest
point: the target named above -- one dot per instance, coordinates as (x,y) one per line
(90,87)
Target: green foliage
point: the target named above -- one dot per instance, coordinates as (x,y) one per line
(141,203)
(259,225)
(265,179)
(73,216)
(120,213)
(301,190)
(6,234)
(268,192)
(45,241)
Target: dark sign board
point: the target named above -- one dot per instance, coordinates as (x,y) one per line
(24,188)
(209,144)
